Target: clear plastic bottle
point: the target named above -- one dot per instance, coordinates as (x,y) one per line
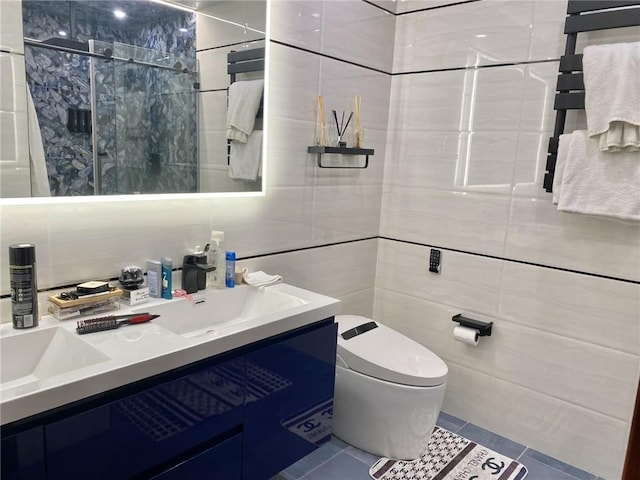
(216,257)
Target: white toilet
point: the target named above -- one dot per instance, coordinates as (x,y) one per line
(389,389)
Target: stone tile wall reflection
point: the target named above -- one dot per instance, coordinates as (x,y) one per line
(59,81)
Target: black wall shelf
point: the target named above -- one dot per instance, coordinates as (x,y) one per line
(341,151)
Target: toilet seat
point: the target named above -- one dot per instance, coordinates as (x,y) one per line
(375,350)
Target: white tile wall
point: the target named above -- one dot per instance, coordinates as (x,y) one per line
(404,6)
(465,280)
(298,23)
(348,29)
(583,373)
(14,141)
(539,233)
(579,436)
(213,31)
(11,36)
(548,39)
(213,66)
(359,32)
(294,85)
(464,166)
(591,309)
(345,212)
(340,83)
(212,121)
(478,33)
(466,221)
(345,271)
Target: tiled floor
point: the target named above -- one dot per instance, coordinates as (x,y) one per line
(339,461)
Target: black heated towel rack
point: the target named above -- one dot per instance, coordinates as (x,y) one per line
(582,16)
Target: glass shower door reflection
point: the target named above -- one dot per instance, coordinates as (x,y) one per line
(156,122)
(146,113)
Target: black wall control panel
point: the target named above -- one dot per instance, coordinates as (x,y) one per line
(434,261)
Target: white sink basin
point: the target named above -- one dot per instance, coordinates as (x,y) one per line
(43,353)
(215,308)
(51,365)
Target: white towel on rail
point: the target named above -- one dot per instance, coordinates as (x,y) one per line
(245,158)
(561,157)
(612,95)
(244,103)
(598,183)
(37,163)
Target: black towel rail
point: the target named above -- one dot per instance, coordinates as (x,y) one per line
(582,16)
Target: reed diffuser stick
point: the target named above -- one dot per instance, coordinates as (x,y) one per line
(347,124)
(358,130)
(323,126)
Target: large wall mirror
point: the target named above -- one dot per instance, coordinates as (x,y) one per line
(133,96)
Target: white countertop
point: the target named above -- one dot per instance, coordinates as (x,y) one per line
(135,352)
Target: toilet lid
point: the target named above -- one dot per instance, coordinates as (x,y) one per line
(372,349)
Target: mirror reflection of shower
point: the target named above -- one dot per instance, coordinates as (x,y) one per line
(121,116)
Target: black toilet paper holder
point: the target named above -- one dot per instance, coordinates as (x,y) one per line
(483,328)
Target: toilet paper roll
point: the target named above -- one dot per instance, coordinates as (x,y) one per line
(466,335)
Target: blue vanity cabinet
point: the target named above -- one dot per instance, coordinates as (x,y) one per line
(243,415)
(153,430)
(222,462)
(22,455)
(289,401)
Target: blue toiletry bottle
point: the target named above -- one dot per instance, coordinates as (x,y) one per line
(167,272)
(230,272)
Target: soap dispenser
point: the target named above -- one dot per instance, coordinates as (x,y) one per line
(194,271)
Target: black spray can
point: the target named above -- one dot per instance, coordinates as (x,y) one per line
(24,290)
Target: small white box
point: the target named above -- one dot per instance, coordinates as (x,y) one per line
(135,297)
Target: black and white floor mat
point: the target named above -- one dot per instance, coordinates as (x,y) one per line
(450,457)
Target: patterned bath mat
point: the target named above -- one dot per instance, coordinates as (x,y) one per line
(450,457)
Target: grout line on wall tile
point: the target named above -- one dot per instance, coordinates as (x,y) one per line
(437,7)
(513,260)
(475,67)
(313,52)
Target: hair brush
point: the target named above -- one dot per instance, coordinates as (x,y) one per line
(111,322)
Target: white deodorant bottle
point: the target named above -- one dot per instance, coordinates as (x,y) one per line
(215,256)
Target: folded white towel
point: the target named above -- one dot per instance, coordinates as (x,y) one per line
(245,158)
(259,278)
(612,95)
(244,103)
(38,166)
(561,157)
(599,183)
